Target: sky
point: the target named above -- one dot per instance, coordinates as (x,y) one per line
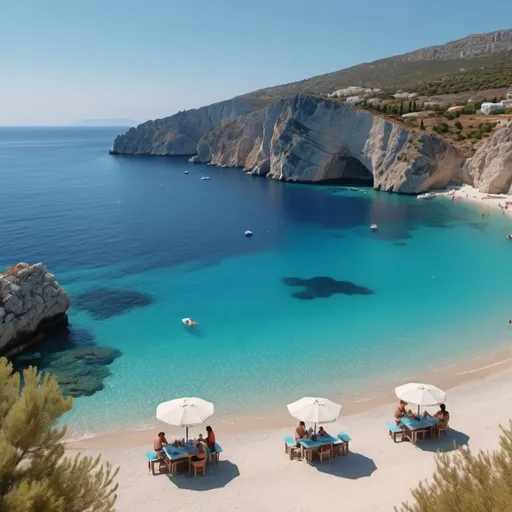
(62,61)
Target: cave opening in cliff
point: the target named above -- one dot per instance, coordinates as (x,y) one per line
(347,170)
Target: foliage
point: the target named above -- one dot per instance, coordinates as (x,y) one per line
(35,475)
(422,125)
(441,128)
(458,125)
(467,482)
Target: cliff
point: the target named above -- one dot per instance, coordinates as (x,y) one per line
(311,139)
(490,170)
(30,298)
(180,133)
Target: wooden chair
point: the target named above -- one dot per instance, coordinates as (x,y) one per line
(345,439)
(325,452)
(154,460)
(395,431)
(198,465)
(442,429)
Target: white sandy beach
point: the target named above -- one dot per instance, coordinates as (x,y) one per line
(486,202)
(255,474)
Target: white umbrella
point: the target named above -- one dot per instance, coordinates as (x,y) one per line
(420,394)
(184,412)
(315,410)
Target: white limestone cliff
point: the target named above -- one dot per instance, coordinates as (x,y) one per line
(29,297)
(490,169)
(306,138)
(178,134)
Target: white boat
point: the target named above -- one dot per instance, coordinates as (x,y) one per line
(188,322)
(428,195)
(205,178)
(374,227)
(161,186)
(248,234)
(186,172)
(509,237)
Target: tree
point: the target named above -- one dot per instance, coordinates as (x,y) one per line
(495,100)
(410,107)
(401,107)
(414,106)
(422,125)
(465,482)
(458,125)
(35,475)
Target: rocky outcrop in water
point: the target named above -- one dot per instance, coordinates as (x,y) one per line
(31,300)
(490,170)
(309,139)
(180,133)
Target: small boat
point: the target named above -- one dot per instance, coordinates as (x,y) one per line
(509,237)
(206,178)
(248,234)
(161,186)
(189,322)
(186,172)
(428,195)
(374,227)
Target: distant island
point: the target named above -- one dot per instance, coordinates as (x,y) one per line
(107,122)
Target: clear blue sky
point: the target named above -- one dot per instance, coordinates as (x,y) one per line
(66,60)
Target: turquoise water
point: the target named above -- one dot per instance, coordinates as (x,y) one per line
(432,284)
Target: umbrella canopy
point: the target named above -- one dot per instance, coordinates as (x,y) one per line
(184,412)
(420,394)
(315,410)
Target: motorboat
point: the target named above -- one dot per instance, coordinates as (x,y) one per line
(428,195)
(189,322)
(161,186)
(374,227)
(509,237)
(186,172)
(206,178)
(248,234)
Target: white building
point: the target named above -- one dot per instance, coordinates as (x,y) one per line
(509,94)
(354,100)
(491,108)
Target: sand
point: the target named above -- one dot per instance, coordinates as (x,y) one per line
(254,474)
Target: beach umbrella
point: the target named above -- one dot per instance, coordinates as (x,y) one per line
(185,412)
(315,410)
(420,394)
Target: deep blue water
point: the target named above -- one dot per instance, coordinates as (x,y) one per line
(314,303)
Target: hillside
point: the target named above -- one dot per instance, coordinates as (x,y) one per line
(475,53)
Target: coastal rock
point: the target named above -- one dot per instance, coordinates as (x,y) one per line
(30,297)
(178,134)
(490,170)
(310,139)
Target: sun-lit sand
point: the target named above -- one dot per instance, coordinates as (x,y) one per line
(255,474)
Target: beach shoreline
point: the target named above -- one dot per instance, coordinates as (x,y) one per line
(470,369)
(255,475)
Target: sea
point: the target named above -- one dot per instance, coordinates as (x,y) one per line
(314,303)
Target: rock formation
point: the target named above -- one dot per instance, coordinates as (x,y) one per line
(30,300)
(180,133)
(490,170)
(306,138)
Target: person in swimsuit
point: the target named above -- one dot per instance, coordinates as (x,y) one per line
(300,432)
(210,439)
(158,445)
(400,411)
(201,452)
(322,432)
(443,416)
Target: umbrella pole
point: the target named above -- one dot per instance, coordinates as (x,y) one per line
(314,432)
(186,435)
(418,410)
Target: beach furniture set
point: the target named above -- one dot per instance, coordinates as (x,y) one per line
(326,447)
(414,430)
(176,456)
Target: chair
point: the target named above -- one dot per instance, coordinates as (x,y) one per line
(442,429)
(395,431)
(214,456)
(152,460)
(198,465)
(325,452)
(290,446)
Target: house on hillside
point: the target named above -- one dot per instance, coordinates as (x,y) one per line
(509,94)
(490,108)
(457,108)
(507,103)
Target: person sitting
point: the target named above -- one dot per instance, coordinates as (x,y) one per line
(158,445)
(210,438)
(201,452)
(322,432)
(300,432)
(400,411)
(443,416)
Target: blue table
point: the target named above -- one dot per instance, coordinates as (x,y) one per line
(417,427)
(177,454)
(310,445)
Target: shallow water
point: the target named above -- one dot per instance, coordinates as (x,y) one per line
(313,303)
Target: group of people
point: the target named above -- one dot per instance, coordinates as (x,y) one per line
(401,412)
(160,442)
(302,433)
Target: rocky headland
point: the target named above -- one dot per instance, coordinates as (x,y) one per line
(31,301)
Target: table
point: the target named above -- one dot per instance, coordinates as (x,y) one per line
(417,427)
(309,445)
(177,454)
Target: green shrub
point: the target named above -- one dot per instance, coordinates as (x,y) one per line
(35,475)
(441,128)
(467,482)
(458,125)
